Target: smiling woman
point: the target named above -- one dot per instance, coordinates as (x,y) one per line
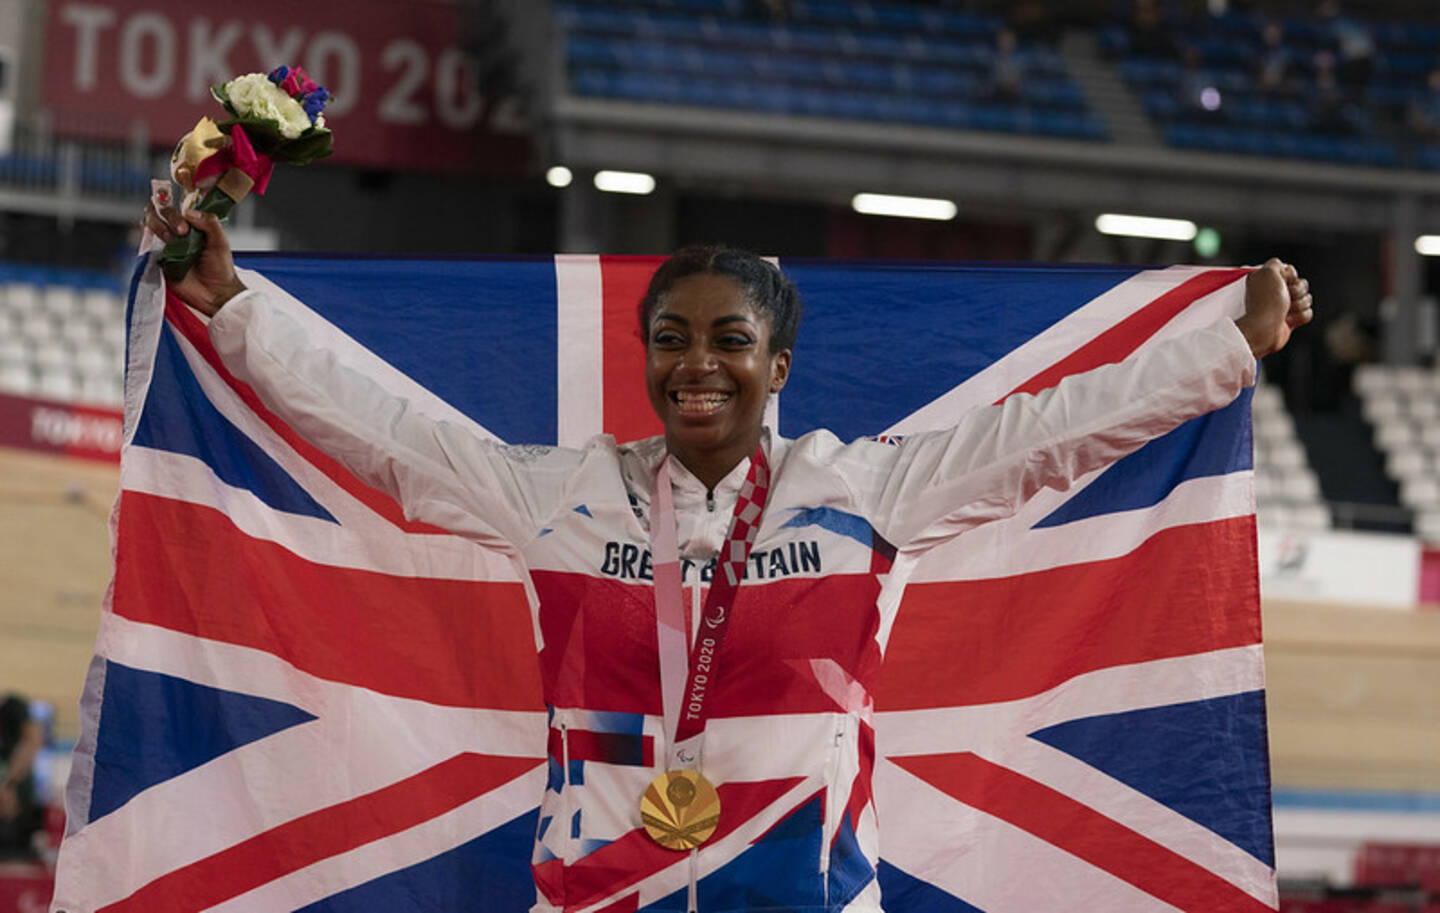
(710,367)
(715,602)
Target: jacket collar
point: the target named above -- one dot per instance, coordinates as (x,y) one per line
(689,491)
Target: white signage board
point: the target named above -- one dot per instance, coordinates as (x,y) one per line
(1368,569)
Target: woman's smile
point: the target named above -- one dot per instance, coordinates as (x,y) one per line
(699,402)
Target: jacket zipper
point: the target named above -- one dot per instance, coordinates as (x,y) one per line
(569,803)
(695,608)
(710,500)
(832,798)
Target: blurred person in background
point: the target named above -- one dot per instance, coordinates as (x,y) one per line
(1272,71)
(1330,108)
(21,814)
(1199,98)
(776,10)
(1424,114)
(1007,70)
(1150,31)
(1033,23)
(1354,49)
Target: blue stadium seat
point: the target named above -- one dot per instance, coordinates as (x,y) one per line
(937,81)
(889,62)
(970,25)
(898,17)
(1412,64)
(1149,72)
(31,170)
(600,19)
(1054,94)
(829,12)
(114,178)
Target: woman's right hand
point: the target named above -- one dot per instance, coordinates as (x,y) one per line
(212,280)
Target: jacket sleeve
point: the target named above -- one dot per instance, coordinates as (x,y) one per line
(441,472)
(934,485)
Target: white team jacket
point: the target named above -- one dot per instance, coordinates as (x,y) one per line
(790,742)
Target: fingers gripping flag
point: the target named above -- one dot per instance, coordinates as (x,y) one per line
(300,700)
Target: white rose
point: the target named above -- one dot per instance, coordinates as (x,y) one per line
(254,95)
(293,119)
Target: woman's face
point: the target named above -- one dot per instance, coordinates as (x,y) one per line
(709,368)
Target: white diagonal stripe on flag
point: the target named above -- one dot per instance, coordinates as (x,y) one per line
(1137,811)
(1049,347)
(1116,689)
(369,543)
(990,863)
(995,549)
(378,858)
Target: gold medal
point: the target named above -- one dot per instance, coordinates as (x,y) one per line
(680,810)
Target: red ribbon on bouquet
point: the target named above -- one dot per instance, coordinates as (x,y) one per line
(238,155)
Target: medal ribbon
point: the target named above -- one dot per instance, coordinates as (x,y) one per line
(685,688)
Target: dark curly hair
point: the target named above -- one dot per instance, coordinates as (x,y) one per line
(769,291)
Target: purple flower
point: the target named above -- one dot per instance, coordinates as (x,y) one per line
(279,74)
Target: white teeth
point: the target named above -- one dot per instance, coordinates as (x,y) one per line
(700,402)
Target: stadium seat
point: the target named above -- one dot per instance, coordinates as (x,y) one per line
(1421,493)
(1287,455)
(1313,517)
(880,62)
(1423,407)
(52,353)
(1427,525)
(79,330)
(1379,407)
(36,325)
(103,305)
(93,358)
(14,350)
(1371,379)
(1410,379)
(1264,484)
(101,388)
(1274,514)
(56,383)
(1429,437)
(16,378)
(1395,432)
(22,297)
(1408,463)
(60,302)
(1299,485)
(1276,428)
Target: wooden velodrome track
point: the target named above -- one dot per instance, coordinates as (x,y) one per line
(1354,693)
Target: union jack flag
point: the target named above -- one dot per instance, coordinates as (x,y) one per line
(300,700)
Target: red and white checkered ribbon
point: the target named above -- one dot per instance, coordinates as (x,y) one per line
(686,687)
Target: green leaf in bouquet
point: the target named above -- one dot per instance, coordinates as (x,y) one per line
(313,144)
(264,133)
(222,95)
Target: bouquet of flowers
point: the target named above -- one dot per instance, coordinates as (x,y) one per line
(274,117)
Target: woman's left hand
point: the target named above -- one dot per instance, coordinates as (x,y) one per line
(1277,300)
